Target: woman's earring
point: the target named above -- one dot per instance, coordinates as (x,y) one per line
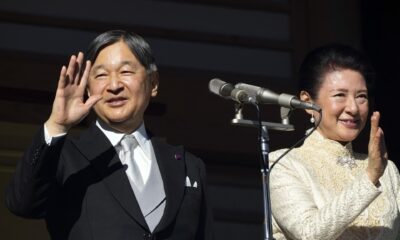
(312,119)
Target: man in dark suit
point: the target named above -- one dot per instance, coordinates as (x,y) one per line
(114,181)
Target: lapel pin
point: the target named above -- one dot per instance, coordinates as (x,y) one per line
(178,156)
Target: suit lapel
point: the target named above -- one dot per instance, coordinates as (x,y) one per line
(95,146)
(172,168)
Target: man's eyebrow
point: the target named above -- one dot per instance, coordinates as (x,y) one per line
(123,63)
(127,62)
(130,63)
(97,67)
(339,90)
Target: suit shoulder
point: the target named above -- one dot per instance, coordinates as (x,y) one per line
(190,158)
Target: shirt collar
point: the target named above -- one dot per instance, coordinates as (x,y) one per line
(115,137)
(141,135)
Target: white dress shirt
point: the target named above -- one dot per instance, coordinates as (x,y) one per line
(144,152)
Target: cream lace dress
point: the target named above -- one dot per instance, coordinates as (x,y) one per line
(321,191)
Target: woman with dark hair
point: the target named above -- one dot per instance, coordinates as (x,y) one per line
(322,189)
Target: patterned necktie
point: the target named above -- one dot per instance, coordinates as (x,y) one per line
(129,143)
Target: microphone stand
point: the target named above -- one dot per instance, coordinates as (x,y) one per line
(264,145)
(265,183)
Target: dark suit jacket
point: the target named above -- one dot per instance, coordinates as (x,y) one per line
(80,187)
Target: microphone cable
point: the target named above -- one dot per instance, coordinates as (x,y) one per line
(293,146)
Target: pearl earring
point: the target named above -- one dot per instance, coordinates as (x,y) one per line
(312,119)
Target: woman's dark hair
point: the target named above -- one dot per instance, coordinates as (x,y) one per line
(328,58)
(139,47)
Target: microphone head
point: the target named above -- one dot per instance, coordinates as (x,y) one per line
(214,85)
(219,87)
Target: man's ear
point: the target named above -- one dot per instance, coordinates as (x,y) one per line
(305,97)
(154,83)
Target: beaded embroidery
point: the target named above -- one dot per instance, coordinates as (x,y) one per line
(346,161)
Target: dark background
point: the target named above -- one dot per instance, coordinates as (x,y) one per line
(259,42)
(381,42)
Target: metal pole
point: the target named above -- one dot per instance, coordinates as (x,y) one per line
(265,182)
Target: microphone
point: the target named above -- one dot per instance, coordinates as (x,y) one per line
(266,96)
(227,90)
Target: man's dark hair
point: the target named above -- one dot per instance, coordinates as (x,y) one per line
(139,47)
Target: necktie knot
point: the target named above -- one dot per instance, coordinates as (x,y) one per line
(129,143)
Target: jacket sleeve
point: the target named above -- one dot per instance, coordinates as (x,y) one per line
(34,179)
(296,212)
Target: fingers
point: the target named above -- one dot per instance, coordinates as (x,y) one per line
(374,125)
(73,70)
(375,136)
(379,142)
(85,75)
(382,145)
(62,81)
(70,70)
(78,66)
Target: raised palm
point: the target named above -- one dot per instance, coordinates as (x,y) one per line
(377,152)
(69,107)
